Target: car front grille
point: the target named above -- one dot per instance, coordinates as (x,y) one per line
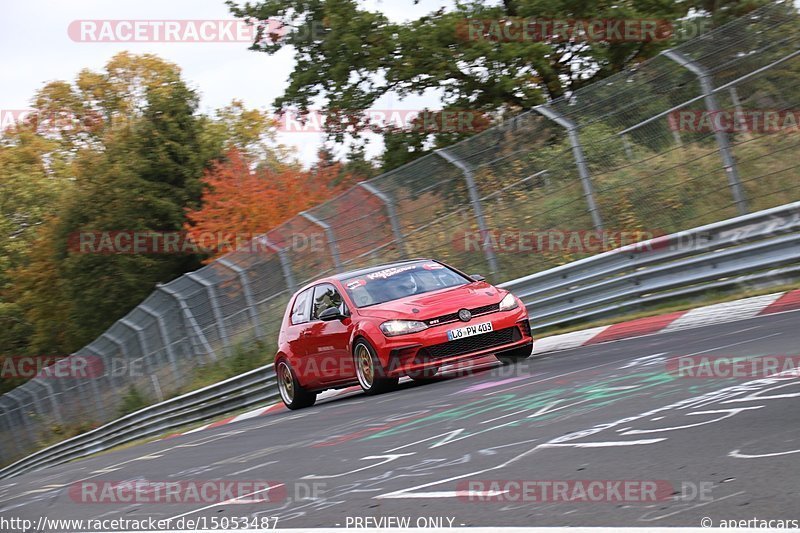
(452,317)
(474,344)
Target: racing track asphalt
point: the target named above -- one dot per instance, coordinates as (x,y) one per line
(601,412)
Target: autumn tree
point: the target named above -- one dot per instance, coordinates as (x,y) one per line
(243,198)
(123,149)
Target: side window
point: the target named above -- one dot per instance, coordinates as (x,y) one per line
(325,297)
(301,306)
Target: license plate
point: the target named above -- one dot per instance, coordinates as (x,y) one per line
(469,331)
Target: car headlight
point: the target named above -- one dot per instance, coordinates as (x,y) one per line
(402,327)
(508,303)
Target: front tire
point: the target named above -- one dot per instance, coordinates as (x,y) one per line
(294,396)
(515,355)
(369,371)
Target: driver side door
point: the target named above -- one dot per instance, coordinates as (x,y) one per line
(328,342)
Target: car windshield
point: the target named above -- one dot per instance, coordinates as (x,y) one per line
(393,283)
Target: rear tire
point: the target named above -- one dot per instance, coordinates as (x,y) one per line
(509,357)
(369,371)
(294,396)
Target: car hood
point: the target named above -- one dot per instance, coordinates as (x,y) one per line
(436,303)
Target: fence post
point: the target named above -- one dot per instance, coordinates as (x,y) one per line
(580,161)
(22,414)
(212,299)
(51,393)
(190,321)
(337,261)
(9,435)
(248,293)
(109,374)
(286,263)
(162,331)
(390,210)
(712,106)
(37,401)
(477,208)
(737,105)
(92,381)
(123,350)
(139,332)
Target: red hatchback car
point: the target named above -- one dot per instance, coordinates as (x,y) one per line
(372,326)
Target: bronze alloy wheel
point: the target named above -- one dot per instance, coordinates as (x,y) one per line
(285,383)
(369,371)
(364,367)
(294,396)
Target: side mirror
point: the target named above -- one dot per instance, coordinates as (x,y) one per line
(331,313)
(477,277)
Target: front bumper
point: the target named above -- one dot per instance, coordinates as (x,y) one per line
(431,348)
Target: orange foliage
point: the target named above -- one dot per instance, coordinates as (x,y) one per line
(240,201)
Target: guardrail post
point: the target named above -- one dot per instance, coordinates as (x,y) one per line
(190,322)
(162,332)
(211,291)
(337,261)
(580,161)
(390,210)
(248,293)
(728,161)
(286,263)
(477,208)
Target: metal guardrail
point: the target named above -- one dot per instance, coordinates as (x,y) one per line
(748,248)
(245,390)
(744,249)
